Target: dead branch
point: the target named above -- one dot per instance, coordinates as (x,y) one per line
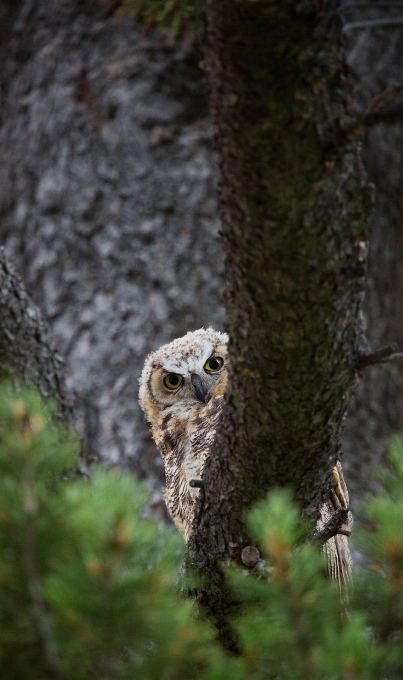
(385,355)
(331,528)
(372,23)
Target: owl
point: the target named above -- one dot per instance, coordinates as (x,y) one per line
(182,388)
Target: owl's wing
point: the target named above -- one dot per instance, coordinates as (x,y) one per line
(337,551)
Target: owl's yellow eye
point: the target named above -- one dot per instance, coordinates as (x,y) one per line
(172,381)
(213,364)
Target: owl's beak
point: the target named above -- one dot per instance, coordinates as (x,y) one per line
(200,390)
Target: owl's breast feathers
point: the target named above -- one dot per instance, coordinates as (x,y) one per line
(184,435)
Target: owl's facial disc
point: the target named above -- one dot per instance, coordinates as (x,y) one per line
(187,380)
(166,380)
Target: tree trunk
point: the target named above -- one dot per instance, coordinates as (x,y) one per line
(26,348)
(107,204)
(376,411)
(141,263)
(294,205)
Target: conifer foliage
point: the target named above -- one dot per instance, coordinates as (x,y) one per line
(89,587)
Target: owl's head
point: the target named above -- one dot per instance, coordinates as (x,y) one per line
(189,370)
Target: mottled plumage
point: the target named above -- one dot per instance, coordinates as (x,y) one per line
(184,418)
(338,553)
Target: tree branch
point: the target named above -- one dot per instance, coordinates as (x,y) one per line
(372,23)
(377,112)
(385,355)
(383,97)
(370,5)
(26,349)
(331,528)
(389,116)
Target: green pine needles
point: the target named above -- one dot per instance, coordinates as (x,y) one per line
(89,587)
(178,16)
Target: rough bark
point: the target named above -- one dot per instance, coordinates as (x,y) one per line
(103,281)
(376,411)
(26,348)
(108,209)
(294,205)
